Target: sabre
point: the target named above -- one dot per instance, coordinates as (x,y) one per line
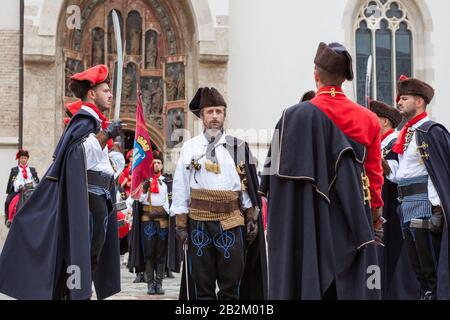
(368,78)
(118,37)
(186,269)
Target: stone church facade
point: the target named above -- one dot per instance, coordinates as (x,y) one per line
(256,52)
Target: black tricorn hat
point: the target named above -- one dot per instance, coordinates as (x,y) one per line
(415,87)
(307,96)
(158,155)
(334,58)
(206,97)
(383,110)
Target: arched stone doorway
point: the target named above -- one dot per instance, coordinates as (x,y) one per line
(157,38)
(199,44)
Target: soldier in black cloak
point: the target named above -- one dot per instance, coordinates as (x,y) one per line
(322,210)
(398,281)
(422,174)
(66,236)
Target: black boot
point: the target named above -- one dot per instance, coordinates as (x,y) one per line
(140,277)
(428,262)
(169,274)
(160,269)
(150,271)
(413,257)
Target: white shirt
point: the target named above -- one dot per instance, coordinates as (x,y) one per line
(21,181)
(96,158)
(388,139)
(228,178)
(411,165)
(160,199)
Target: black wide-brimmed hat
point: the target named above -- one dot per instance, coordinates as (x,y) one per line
(206,97)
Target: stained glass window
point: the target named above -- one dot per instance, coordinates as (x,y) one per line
(383,43)
(403,48)
(383,31)
(363,51)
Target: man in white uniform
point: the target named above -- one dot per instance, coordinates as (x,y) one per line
(91,86)
(155,225)
(208,196)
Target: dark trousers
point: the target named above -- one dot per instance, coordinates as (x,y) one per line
(98,214)
(216,255)
(154,242)
(423,251)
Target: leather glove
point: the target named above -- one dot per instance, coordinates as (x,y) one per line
(114,129)
(145,186)
(377,213)
(386,168)
(379,233)
(251,224)
(378,220)
(436,220)
(181,228)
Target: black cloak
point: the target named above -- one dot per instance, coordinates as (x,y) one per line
(174,251)
(434,140)
(319,228)
(49,238)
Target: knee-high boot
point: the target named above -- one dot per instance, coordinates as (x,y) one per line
(150,271)
(160,269)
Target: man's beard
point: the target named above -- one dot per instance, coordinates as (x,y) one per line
(409,114)
(213,129)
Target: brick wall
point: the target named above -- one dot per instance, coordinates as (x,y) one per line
(9,83)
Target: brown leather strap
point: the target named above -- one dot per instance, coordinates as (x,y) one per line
(213,206)
(412,189)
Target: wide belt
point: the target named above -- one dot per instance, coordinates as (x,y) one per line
(148,208)
(101,180)
(147,215)
(412,189)
(214,206)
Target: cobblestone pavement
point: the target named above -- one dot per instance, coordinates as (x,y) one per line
(138,291)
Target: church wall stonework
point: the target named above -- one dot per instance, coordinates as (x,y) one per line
(9,83)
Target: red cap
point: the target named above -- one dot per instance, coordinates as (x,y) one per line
(94,75)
